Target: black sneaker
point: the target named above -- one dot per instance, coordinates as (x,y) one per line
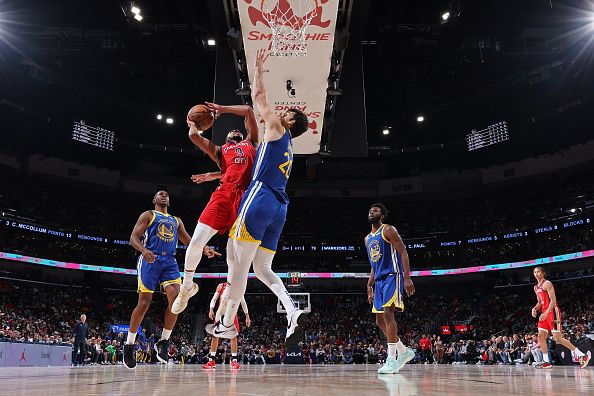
(295,328)
(129,356)
(162,348)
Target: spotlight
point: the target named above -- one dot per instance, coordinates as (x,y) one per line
(169,120)
(420,118)
(159,117)
(135,10)
(445,16)
(386,131)
(138,17)
(211,42)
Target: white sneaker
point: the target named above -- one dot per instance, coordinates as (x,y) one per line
(221,331)
(296,322)
(181,301)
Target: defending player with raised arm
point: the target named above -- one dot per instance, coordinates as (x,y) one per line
(235,159)
(550,320)
(214,342)
(155,236)
(389,279)
(262,214)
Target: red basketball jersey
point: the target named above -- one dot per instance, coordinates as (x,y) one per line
(224,285)
(542,295)
(237,160)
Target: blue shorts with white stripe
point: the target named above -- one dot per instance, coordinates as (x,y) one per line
(261,217)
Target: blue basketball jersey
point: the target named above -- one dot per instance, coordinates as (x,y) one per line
(384,259)
(161,234)
(273,165)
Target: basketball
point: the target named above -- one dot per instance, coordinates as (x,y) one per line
(202,116)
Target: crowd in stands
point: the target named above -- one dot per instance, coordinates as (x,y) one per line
(478,211)
(340,329)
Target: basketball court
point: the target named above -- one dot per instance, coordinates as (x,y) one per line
(297,380)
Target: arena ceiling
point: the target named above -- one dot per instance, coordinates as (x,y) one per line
(529,63)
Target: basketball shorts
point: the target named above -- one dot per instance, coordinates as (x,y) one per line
(261,217)
(161,273)
(552,322)
(221,211)
(387,292)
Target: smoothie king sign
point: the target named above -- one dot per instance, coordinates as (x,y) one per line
(308,71)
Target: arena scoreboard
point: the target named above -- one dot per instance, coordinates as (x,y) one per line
(489,136)
(92,135)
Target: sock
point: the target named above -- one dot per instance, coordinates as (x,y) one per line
(166,334)
(200,238)
(263,269)
(284,297)
(188,279)
(240,256)
(234,354)
(578,353)
(400,347)
(231,312)
(391,350)
(131,338)
(545,357)
(213,353)
(223,304)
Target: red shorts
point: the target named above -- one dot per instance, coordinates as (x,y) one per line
(221,211)
(552,322)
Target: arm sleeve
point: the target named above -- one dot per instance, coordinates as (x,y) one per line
(244,305)
(213,302)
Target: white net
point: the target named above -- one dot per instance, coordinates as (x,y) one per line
(288,20)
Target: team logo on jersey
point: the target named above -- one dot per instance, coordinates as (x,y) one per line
(240,156)
(375,251)
(165,231)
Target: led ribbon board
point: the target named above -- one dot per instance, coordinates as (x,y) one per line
(310,275)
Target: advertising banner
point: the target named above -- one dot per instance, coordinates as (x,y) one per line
(22,354)
(308,72)
(122,328)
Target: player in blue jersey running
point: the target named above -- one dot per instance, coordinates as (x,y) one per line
(262,213)
(155,236)
(389,279)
